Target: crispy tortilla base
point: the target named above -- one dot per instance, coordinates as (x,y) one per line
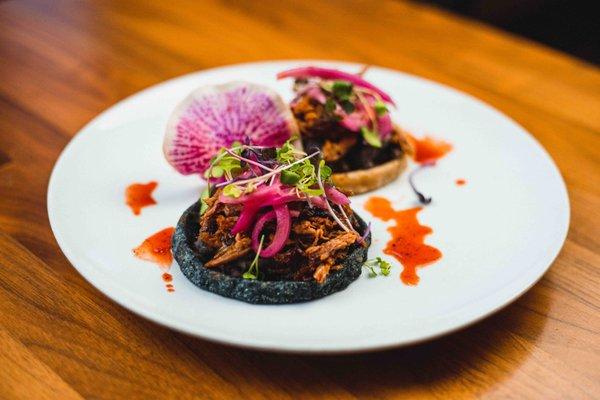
(256,291)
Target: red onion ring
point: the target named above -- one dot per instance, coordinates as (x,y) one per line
(336,196)
(282,231)
(329,73)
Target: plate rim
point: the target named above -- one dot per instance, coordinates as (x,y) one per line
(502,297)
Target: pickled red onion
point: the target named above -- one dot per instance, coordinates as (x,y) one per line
(329,73)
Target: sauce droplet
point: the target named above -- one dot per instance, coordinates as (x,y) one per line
(408,236)
(139,195)
(429,149)
(460,182)
(157,249)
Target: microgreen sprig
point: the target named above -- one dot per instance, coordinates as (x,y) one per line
(342,94)
(205,195)
(291,167)
(226,162)
(263,178)
(252,272)
(371,136)
(348,228)
(384,267)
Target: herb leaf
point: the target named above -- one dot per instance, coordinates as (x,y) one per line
(224,164)
(205,195)
(325,170)
(289,177)
(330,105)
(380,108)
(252,272)
(342,89)
(302,175)
(370,136)
(232,190)
(347,106)
(286,153)
(384,267)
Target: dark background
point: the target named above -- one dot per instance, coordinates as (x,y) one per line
(570,26)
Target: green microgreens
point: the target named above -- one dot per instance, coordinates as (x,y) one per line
(330,105)
(205,195)
(225,163)
(272,172)
(289,177)
(252,272)
(347,106)
(348,228)
(302,175)
(288,153)
(370,136)
(294,168)
(345,95)
(342,93)
(232,190)
(384,267)
(380,108)
(325,171)
(342,89)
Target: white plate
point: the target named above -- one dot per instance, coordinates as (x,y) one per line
(499,233)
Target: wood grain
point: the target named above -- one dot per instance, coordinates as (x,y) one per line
(63,62)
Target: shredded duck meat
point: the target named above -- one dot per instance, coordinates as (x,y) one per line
(317,245)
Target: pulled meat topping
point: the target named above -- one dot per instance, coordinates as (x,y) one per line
(316,245)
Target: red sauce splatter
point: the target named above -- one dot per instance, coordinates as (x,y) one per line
(157,249)
(139,195)
(460,182)
(408,236)
(429,149)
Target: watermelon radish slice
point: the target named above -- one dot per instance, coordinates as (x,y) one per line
(216,116)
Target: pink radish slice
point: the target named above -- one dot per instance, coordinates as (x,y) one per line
(216,116)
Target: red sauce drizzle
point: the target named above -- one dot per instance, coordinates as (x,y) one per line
(429,149)
(408,236)
(157,249)
(460,182)
(139,195)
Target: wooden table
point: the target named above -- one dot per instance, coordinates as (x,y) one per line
(62,62)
